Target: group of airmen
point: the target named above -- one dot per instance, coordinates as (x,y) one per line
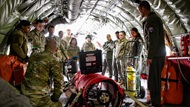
(44,62)
(121,53)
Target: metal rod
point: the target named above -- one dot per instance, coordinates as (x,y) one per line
(174,58)
(94,6)
(178,35)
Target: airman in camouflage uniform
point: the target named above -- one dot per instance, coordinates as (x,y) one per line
(36,37)
(57,39)
(122,50)
(36,85)
(88,45)
(73,49)
(68,37)
(18,45)
(63,47)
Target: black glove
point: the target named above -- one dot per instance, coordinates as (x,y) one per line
(54,99)
(26,59)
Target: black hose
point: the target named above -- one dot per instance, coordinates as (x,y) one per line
(182,73)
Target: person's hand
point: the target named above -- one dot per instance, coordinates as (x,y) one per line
(26,59)
(73,89)
(149,61)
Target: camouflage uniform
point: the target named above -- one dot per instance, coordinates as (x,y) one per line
(10,97)
(73,51)
(63,49)
(58,54)
(67,40)
(88,47)
(122,50)
(19,45)
(37,40)
(56,38)
(36,85)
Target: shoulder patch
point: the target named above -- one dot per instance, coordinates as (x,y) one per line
(150,29)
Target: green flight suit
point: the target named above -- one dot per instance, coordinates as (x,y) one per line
(37,40)
(114,65)
(18,46)
(42,69)
(108,48)
(136,49)
(155,44)
(11,97)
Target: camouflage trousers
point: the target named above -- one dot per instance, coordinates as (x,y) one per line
(44,102)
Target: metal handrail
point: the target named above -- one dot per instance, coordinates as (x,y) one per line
(178,58)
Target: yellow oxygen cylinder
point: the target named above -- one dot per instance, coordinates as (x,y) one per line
(131,81)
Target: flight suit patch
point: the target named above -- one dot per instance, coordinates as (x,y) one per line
(150,29)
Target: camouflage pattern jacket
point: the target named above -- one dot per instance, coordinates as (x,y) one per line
(67,39)
(88,47)
(59,53)
(19,44)
(73,51)
(63,49)
(122,48)
(41,67)
(37,40)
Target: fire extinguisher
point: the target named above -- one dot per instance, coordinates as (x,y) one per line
(131,81)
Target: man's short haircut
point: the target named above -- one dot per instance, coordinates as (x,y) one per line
(144,4)
(117,32)
(51,43)
(89,36)
(23,23)
(122,32)
(108,35)
(39,21)
(60,32)
(50,26)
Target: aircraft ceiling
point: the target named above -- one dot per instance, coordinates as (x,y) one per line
(122,14)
